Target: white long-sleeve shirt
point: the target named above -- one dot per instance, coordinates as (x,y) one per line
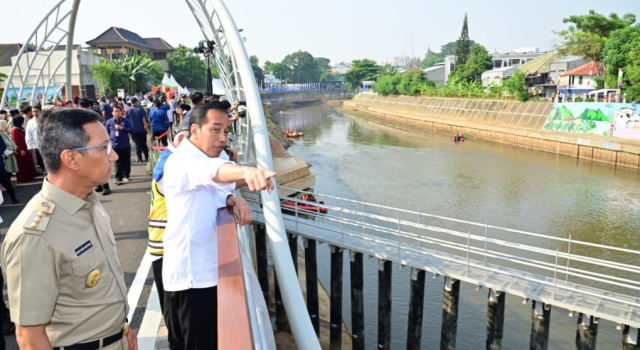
(192,200)
(31,132)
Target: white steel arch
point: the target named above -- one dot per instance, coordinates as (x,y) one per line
(232,61)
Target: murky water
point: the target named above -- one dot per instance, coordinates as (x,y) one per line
(476,181)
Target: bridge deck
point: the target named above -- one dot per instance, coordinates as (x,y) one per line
(557,292)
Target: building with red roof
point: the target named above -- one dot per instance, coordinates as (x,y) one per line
(578,80)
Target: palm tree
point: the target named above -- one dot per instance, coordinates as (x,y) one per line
(136,67)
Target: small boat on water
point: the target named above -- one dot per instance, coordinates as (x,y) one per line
(292,133)
(305,207)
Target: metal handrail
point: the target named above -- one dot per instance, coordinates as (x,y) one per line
(538,235)
(470,263)
(467,248)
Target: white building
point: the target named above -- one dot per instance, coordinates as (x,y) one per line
(435,73)
(509,59)
(497,75)
(81,76)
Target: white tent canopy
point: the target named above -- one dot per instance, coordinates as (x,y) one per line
(218,87)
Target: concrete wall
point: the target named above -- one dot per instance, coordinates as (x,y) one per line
(509,122)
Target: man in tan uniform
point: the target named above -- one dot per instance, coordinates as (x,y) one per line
(66,287)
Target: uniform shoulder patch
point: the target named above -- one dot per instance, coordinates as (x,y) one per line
(37,222)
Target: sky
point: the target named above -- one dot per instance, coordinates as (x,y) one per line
(341,30)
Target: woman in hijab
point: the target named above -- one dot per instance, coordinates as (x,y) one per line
(10,161)
(26,166)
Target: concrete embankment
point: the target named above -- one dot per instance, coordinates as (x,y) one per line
(293,172)
(510,122)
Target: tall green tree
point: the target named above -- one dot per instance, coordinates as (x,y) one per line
(387,84)
(324,68)
(361,70)
(257,71)
(617,53)
(387,69)
(463,51)
(450,48)
(303,67)
(587,35)
(140,72)
(479,61)
(632,75)
(189,69)
(280,70)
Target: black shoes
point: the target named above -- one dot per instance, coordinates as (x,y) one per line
(106,192)
(14,200)
(98,188)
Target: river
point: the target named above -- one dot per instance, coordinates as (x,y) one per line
(476,181)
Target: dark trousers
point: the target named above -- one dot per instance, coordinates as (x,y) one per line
(5,180)
(163,139)
(157,276)
(40,161)
(192,318)
(140,139)
(123,164)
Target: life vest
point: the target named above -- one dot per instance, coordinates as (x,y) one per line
(157,220)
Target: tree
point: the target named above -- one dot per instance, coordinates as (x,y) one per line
(303,67)
(430,61)
(257,71)
(479,62)
(617,52)
(450,48)
(110,76)
(517,86)
(387,69)
(587,35)
(632,75)
(140,72)
(410,83)
(188,68)
(360,71)
(462,51)
(387,84)
(323,66)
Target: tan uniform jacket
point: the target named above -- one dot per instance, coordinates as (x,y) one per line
(52,254)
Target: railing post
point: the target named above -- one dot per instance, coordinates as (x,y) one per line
(630,339)
(311,268)
(282,323)
(495,319)
(566,278)
(416,308)
(586,332)
(449,327)
(540,321)
(357,301)
(384,305)
(293,246)
(262,261)
(335,331)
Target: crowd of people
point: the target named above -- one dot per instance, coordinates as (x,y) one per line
(65,285)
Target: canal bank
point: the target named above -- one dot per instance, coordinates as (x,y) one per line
(508,122)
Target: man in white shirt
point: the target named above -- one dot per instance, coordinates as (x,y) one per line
(32,136)
(197,183)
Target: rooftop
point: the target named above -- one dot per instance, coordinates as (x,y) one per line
(568,59)
(539,64)
(116,35)
(582,70)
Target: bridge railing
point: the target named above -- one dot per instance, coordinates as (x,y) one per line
(560,258)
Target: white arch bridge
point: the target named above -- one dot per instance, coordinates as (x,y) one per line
(601,286)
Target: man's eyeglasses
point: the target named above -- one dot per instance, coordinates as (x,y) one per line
(107,146)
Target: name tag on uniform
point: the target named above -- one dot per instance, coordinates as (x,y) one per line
(83,248)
